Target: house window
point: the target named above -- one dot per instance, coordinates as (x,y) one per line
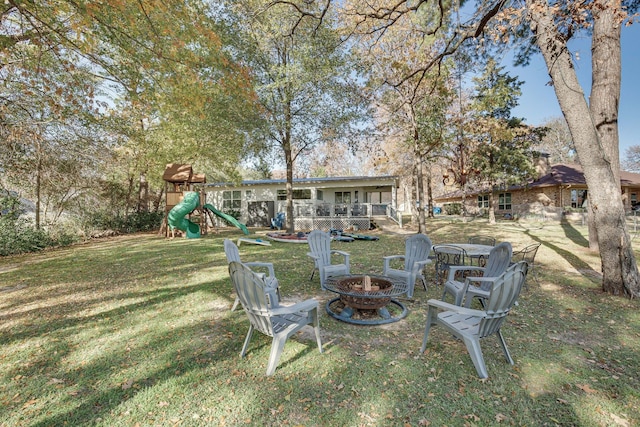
(504,201)
(302,194)
(633,198)
(297,194)
(578,198)
(319,195)
(248,194)
(231,201)
(483,201)
(343,197)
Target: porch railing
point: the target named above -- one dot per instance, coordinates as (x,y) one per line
(336,215)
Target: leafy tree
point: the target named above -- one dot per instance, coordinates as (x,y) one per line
(593,124)
(549,26)
(307,81)
(412,110)
(47,118)
(157,82)
(502,154)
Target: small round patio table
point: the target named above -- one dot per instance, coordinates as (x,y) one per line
(355,295)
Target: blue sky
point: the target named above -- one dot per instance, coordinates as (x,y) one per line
(538,101)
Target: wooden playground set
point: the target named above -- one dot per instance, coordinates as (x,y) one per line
(185,208)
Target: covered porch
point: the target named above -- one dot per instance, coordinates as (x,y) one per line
(325,216)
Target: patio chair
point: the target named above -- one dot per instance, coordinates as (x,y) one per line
(233,254)
(416,256)
(482,240)
(320,251)
(268,316)
(497,262)
(527,254)
(445,257)
(470,325)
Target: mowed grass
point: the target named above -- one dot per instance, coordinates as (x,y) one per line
(137,330)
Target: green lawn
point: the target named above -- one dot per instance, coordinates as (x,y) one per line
(137,330)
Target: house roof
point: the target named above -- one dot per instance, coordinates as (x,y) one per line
(565,174)
(325,180)
(560,174)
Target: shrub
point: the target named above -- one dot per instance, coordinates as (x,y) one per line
(19,235)
(134,222)
(453,209)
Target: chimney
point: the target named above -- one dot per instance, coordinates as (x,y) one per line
(542,165)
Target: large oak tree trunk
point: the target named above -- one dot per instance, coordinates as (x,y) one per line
(593,127)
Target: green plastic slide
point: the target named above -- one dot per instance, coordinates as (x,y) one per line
(176,217)
(231,220)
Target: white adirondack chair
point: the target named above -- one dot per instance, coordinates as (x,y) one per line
(267,315)
(233,254)
(320,251)
(416,256)
(470,325)
(497,262)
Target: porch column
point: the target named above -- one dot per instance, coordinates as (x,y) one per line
(394,196)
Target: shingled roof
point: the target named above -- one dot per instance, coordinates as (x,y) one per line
(559,174)
(564,174)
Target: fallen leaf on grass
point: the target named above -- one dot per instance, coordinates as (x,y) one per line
(586,388)
(29,403)
(472,417)
(501,417)
(620,421)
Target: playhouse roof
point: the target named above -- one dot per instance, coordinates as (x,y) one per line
(199,178)
(176,172)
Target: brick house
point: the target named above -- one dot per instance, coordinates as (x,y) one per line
(560,188)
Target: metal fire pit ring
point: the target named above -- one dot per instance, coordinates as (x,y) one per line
(354,301)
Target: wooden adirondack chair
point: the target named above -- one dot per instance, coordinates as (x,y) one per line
(233,254)
(416,256)
(497,262)
(267,315)
(470,325)
(320,251)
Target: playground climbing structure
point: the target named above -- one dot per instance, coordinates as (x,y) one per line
(185,209)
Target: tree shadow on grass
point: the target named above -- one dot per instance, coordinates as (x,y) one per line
(572,234)
(86,403)
(204,352)
(584,268)
(55,317)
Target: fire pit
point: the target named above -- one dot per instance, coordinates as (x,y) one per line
(362,292)
(368,294)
